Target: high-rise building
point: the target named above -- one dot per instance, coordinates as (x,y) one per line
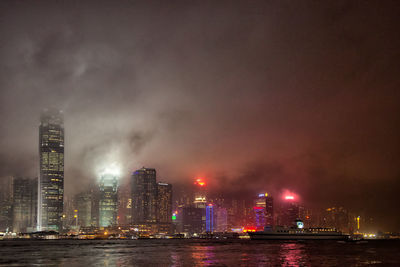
(108,204)
(336,217)
(269,211)
(25,204)
(259,211)
(51,179)
(290,212)
(210,218)
(221,219)
(6,188)
(83,205)
(6,201)
(144,196)
(200,193)
(200,199)
(259,217)
(164,207)
(192,222)
(263,211)
(124,204)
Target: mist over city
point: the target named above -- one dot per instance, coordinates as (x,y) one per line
(290,98)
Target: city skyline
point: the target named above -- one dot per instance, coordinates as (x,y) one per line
(263,98)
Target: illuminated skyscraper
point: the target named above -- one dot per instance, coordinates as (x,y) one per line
(51,179)
(221,219)
(83,205)
(200,193)
(259,214)
(269,211)
(210,218)
(25,204)
(124,204)
(200,199)
(192,222)
(144,196)
(290,212)
(164,202)
(164,207)
(264,211)
(6,201)
(108,204)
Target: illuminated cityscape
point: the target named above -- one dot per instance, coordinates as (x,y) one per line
(141,207)
(199,133)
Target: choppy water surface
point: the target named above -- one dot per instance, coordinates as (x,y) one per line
(197,253)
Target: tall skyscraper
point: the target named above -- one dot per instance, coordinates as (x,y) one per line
(6,201)
(144,196)
(51,178)
(269,211)
(164,207)
(108,205)
(164,202)
(83,205)
(210,218)
(200,193)
(192,222)
(124,204)
(290,211)
(259,211)
(25,204)
(200,199)
(221,219)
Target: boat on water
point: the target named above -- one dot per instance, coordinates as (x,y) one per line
(298,233)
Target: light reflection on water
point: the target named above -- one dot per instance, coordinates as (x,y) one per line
(292,254)
(204,255)
(196,253)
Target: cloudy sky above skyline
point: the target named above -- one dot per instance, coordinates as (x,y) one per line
(256,95)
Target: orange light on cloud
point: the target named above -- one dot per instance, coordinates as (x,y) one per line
(200,182)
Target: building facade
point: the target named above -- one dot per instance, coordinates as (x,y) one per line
(269,211)
(290,212)
(221,219)
(6,201)
(108,204)
(83,204)
(25,205)
(164,207)
(51,178)
(164,202)
(144,196)
(192,222)
(210,218)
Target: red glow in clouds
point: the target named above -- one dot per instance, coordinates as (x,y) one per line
(290,196)
(200,182)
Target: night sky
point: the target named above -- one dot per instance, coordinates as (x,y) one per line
(252,95)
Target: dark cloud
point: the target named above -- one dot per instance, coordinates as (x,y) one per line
(254,95)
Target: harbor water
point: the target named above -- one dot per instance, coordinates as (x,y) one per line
(183,252)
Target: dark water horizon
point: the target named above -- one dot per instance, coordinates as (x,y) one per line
(198,253)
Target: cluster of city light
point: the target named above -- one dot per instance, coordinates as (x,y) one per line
(200,182)
(174,215)
(370,235)
(249,229)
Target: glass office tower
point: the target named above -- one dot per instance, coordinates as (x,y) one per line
(144,196)
(108,204)
(51,178)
